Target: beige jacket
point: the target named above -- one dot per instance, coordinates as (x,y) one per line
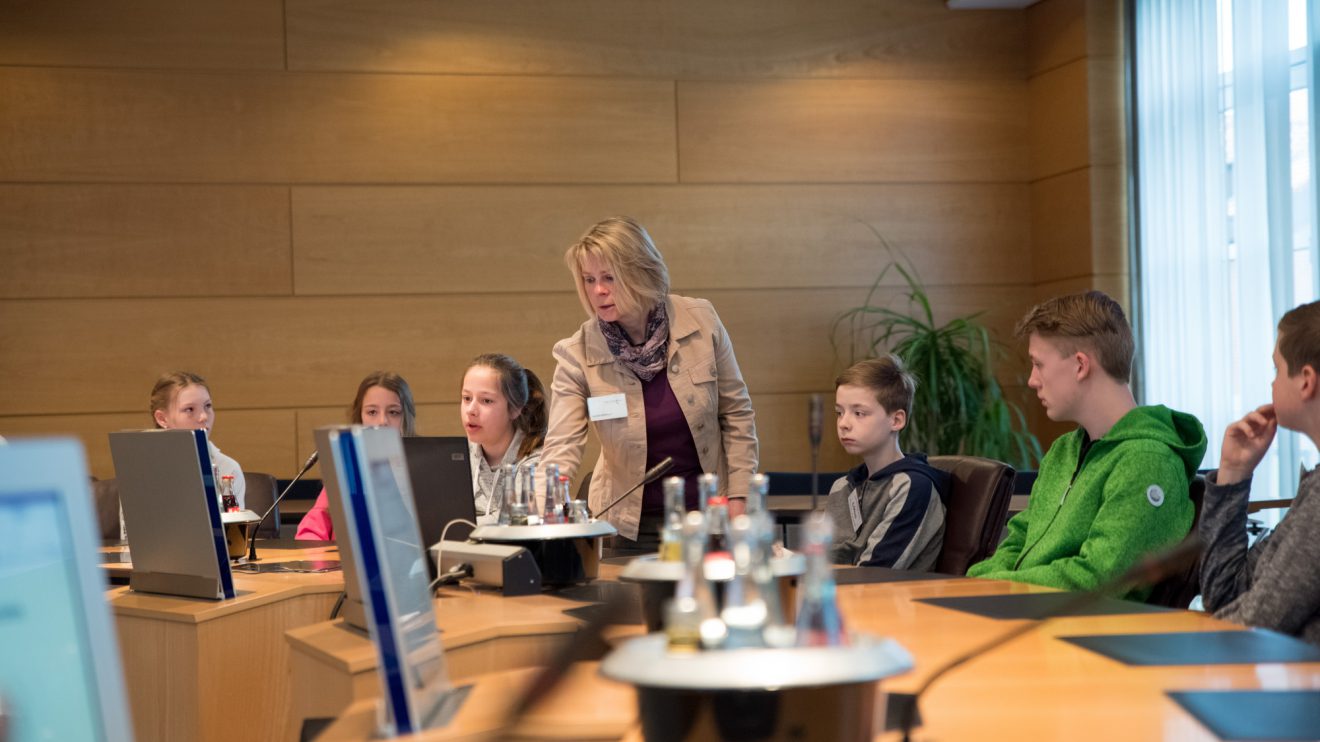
(706,381)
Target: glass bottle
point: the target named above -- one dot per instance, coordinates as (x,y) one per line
(671,533)
(819,623)
(691,619)
(565,499)
(527,497)
(550,510)
(505,490)
(717,516)
(744,612)
(757,501)
(777,633)
(228,502)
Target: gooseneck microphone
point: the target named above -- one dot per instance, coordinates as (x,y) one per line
(1147,571)
(814,415)
(657,471)
(252,542)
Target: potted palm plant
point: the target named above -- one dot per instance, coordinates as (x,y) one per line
(959,407)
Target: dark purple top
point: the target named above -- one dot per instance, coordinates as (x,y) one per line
(667,434)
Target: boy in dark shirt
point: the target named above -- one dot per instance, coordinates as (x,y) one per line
(889,511)
(1275,584)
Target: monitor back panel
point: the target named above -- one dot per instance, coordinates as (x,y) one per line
(441,477)
(173,520)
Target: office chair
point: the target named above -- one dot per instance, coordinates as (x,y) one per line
(261,491)
(975,509)
(105,493)
(1177,591)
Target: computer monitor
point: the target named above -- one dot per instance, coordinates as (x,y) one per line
(60,675)
(381,525)
(441,477)
(167,491)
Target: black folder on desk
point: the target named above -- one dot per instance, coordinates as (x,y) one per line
(1199,648)
(1255,714)
(1037,605)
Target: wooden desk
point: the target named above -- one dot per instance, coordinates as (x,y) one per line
(218,670)
(334,665)
(1033,688)
(583,707)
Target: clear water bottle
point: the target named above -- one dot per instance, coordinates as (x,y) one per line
(692,621)
(819,623)
(505,491)
(757,498)
(671,533)
(524,508)
(551,512)
(744,613)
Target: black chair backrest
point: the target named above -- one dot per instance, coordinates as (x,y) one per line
(106,495)
(1177,591)
(976,507)
(260,492)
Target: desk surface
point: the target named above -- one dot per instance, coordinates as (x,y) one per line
(1034,687)
(189,663)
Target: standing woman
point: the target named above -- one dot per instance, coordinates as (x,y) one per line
(182,400)
(383,399)
(503,410)
(654,375)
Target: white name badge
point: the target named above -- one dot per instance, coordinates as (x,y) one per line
(855,510)
(608,407)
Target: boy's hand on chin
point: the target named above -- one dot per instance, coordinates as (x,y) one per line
(1245,444)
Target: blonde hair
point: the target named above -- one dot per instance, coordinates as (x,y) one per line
(168,386)
(1092,321)
(641,280)
(887,378)
(394,383)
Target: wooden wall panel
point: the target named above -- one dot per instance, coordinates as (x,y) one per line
(260,440)
(312,352)
(1061,226)
(1109,219)
(226,34)
(74,240)
(852,131)
(477,239)
(261,352)
(1056,34)
(1059,120)
(910,39)
(92,125)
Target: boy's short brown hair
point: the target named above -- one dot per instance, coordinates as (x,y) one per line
(1092,322)
(886,377)
(1299,337)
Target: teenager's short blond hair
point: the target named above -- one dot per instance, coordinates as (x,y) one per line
(1091,322)
(1299,337)
(641,279)
(887,378)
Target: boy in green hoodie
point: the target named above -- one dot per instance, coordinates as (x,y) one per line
(1113,490)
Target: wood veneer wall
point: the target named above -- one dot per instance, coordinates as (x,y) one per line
(1079,214)
(284,197)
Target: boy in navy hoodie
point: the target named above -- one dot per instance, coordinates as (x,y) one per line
(889,511)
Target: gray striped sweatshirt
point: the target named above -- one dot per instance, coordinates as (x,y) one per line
(1276,583)
(899,521)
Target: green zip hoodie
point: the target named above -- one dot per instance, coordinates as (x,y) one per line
(1089,520)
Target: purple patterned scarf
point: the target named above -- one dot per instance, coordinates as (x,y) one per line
(649,358)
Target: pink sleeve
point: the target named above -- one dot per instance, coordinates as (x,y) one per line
(316,524)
